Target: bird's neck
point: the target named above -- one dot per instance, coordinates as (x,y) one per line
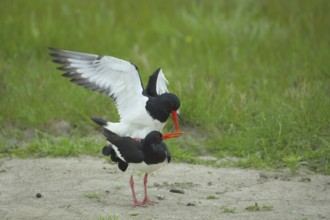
(154,153)
(157,109)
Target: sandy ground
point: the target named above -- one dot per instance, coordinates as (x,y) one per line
(92,188)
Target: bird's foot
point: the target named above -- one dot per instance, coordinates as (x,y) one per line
(148,201)
(140,204)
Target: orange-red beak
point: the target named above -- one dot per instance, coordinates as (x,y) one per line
(171,135)
(177,132)
(175,119)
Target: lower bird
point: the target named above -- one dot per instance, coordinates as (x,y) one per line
(146,156)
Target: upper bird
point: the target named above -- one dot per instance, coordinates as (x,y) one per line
(141,110)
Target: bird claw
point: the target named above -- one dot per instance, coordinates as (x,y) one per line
(140,204)
(148,201)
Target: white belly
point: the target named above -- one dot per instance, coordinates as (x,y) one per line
(143,167)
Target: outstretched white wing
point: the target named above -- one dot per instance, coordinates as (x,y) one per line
(118,78)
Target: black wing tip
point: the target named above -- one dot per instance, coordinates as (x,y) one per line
(99,121)
(155,73)
(62,68)
(67,74)
(108,133)
(137,69)
(53,50)
(111,136)
(151,86)
(58,59)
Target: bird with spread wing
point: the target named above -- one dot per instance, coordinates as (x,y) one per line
(141,110)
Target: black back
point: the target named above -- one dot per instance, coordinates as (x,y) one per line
(129,149)
(151,150)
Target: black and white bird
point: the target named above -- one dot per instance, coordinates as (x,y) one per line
(141,110)
(146,156)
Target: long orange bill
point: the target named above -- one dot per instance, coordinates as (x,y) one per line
(171,135)
(175,119)
(177,132)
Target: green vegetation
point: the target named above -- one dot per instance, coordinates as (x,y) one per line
(229,210)
(293,163)
(134,214)
(211,197)
(253,76)
(256,207)
(108,217)
(92,195)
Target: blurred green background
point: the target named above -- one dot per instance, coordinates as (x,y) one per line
(253,76)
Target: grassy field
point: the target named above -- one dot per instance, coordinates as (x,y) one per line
(253,76)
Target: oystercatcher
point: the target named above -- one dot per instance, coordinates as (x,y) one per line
(141,110)
(146,156)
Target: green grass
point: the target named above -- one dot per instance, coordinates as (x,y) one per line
(92,195)
(134,214)
(229,210)
(293,163)
(108,217)
(253,76)
(256,207)
(211,197)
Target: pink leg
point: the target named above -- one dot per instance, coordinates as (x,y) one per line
(135,201)
(146,200)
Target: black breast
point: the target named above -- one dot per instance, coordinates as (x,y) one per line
(156,153)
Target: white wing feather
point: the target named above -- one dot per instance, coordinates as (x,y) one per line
(117,78)
(161,85)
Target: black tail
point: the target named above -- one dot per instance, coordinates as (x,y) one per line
(109,151)
(110,136)
(100,121)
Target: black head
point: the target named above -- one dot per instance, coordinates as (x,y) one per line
(154,149)
(171,101)
(154,137)
(162,106)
